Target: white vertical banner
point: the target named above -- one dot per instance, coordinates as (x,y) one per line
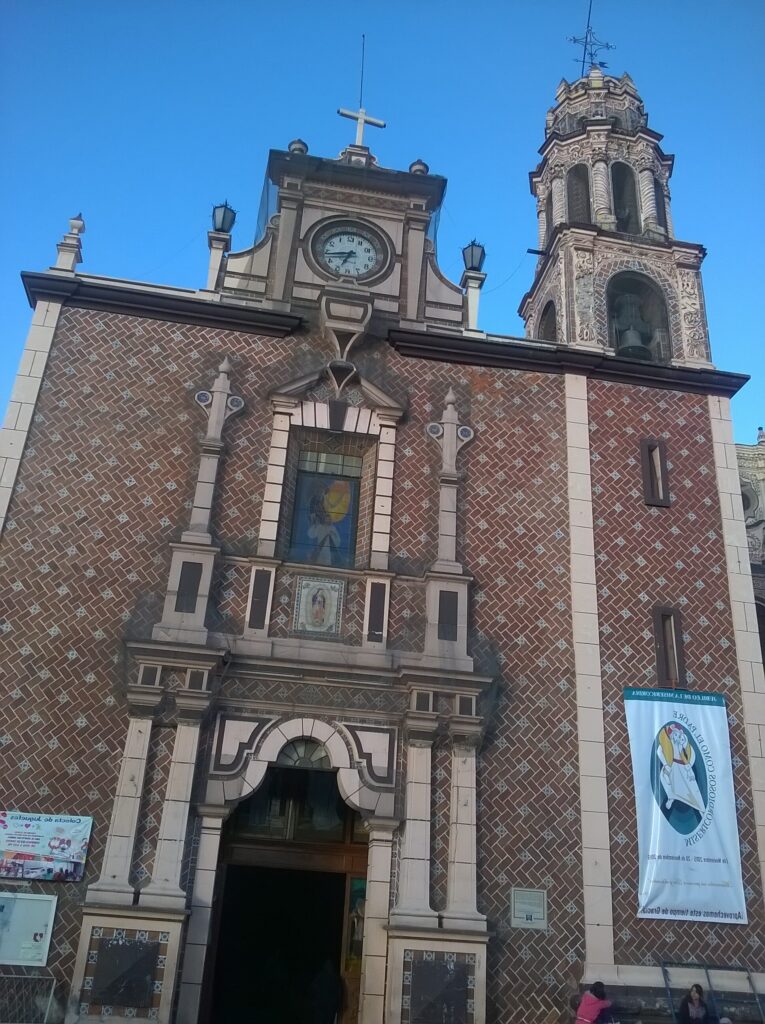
(688,851)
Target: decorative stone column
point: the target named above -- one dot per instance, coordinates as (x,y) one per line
(375,948)
(648,201)
(668,211)
(113,886)
(164,889)
(200,921)
(601,190)
(541,220)
(461,907)
(558,197)
(447,587)
(193,559)
(412,907)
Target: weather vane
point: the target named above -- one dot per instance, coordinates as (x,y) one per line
(591,45)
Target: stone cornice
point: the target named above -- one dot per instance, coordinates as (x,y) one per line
(157,303)
(429,187)
(517,355)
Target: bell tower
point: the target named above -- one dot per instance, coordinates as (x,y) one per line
(611,275)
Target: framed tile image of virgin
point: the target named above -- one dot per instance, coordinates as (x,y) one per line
(318,606)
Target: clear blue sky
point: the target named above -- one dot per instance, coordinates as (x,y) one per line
(143,114)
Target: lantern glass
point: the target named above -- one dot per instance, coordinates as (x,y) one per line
(223,217)
(474,254)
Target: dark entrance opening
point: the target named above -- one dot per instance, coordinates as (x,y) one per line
(279,946)
(289,902)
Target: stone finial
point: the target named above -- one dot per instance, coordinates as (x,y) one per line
(297,146)
(760,436)
(218,403)
(418,167)
(69,249)
(450,434)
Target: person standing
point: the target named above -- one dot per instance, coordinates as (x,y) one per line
(693,1009)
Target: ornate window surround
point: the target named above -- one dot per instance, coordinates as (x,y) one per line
(378,421)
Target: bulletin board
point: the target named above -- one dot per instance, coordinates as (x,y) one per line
(26,926)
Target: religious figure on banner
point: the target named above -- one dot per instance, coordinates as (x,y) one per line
(679,775)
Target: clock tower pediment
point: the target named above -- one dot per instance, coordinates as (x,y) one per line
(347,221)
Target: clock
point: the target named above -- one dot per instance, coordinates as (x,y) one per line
(349,249)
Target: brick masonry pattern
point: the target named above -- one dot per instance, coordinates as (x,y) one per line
(106,484)
(674,556)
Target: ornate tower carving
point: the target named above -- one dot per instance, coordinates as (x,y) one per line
(612,276)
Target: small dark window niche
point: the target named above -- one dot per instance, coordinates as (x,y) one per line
(653,463)
(188,587)
(668,640)
(448,602)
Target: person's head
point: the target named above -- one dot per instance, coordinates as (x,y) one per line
(598,989)
(696,993)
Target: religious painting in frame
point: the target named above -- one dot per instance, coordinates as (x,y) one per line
(318,606)
(324,519)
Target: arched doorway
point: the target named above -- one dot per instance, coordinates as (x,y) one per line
(289,905)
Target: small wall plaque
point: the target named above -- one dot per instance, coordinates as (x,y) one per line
(528,908)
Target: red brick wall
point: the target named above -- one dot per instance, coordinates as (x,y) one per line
(106,485)
(672,556)
(513,538)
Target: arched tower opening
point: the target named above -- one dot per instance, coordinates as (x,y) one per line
(578,195)
(548,323)
(626,208)
(638,325)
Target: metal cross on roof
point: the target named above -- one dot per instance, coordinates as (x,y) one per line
(361,118)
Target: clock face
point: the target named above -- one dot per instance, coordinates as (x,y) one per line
(349,250)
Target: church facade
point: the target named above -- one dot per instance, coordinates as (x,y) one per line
(322,602)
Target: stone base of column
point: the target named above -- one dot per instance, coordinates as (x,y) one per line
(607,221)
(106,894)
(414,917)
(654,233)
(163,897)
(148,931)
(463,921)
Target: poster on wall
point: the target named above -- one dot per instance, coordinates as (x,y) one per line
(26,925)
(688,850)
(44,847)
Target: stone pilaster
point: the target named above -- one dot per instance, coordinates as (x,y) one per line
(164,889)
(412,907)
(596,849)
(461,907)
(375,947)
(193,559)
(219,243)
(200,922)
(113,885)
